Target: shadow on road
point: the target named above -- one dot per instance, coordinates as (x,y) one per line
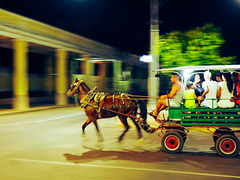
(150,157)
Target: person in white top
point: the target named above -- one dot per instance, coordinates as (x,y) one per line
(210,92)
(225,91)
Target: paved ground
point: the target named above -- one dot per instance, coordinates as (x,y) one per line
(47,144)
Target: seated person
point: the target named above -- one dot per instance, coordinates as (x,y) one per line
(236,91)
(225,91)
(175,96)
(190,96)
(210,92)
(198,85)
(219,77)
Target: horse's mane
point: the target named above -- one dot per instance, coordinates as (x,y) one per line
(85,86)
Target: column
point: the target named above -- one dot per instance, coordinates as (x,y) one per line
(102,79)
(20,79)
(102,69)
(61,78)
(83,67)
(153,82)
(89,70)
(73,70)
(89,66)
(117,74)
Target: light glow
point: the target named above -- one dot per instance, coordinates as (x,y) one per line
(237,2)
(146,58)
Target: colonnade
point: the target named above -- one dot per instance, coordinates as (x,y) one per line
(21,79)
(25,35)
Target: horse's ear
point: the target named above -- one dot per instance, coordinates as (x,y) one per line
(76,80)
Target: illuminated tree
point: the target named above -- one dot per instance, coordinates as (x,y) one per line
(199,46)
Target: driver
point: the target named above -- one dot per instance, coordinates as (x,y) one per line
(174,98)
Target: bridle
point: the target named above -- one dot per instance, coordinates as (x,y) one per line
(74,85)
(74,88)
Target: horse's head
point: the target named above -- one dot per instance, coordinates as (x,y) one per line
(74,87)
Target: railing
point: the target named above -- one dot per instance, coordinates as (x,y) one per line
(204,116)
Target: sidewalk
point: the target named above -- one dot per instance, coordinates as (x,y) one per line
(31,109)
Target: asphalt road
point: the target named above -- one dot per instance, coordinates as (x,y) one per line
(47,144)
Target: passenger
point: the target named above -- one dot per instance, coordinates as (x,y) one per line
(219,77)
(198,85)
(174,98)
(225,91)
(210,92)
(236,80)
(190,96)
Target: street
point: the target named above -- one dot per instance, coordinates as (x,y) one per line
(47,144)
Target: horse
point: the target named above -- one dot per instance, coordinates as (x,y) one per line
(121,105)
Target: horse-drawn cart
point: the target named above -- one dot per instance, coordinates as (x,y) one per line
(224,124)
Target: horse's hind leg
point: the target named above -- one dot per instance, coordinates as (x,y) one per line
(85,125)
(98,132)
(138,128)
(123,119)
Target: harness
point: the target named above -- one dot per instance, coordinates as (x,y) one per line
(97,97)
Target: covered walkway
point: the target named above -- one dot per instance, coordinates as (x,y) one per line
(62,51)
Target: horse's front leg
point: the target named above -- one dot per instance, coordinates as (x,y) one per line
(85,125)
(123,119)
(100,138)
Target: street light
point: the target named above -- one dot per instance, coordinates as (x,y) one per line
(238,2)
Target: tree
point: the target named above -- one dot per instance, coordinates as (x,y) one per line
(199,46)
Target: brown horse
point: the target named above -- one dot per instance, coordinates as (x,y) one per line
(121,105)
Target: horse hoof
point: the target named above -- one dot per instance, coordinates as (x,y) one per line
(84,137)
(120,139)
(99,144)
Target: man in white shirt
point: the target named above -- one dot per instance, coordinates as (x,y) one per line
(210,92)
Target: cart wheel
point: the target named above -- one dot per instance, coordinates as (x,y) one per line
(172,142)
(227,145)
(184,136)
(222,131)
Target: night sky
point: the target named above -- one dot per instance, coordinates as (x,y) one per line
(125,23)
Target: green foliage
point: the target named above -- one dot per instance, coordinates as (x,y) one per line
(199,46)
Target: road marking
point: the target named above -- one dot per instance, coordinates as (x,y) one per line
(62,146)
(52,119)
(39,121)
(129,168)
